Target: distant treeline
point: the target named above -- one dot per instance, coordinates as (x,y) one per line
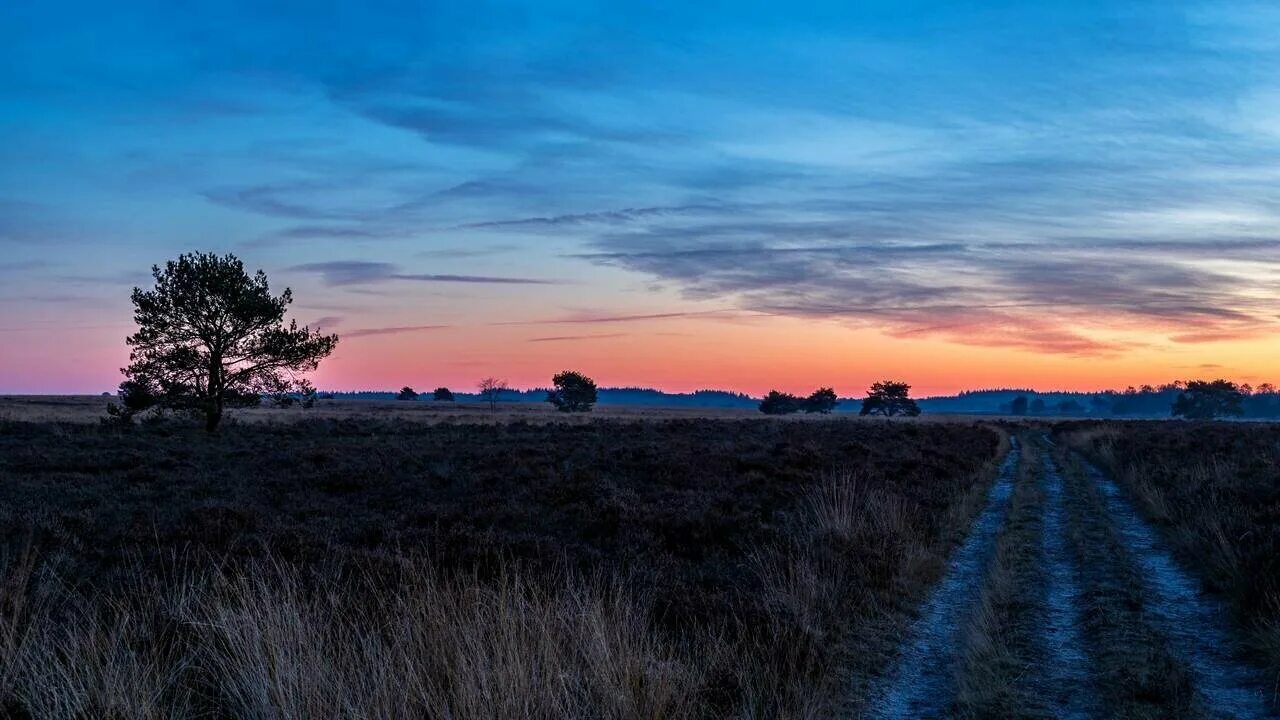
(1152,401)
(1145,401)
(607,396)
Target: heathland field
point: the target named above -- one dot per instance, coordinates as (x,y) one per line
(655,566)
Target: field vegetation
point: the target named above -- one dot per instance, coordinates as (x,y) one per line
(364,568)
(1213,489)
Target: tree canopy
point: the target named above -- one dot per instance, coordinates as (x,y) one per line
(407,393)
(573,392)
(1206,400)
(889,398)
(822,400)
(491,388)
(211,336)
(442,394)
(780,403)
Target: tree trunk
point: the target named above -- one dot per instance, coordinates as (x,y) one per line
(213,411)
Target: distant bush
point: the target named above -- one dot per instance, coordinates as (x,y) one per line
(407,393)
(442,394)
(780,403)
(823,400)
(889,398)
(136,396)
(574,392)
(1019,405)
(281,400)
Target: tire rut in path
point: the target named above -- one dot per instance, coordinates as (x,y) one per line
(1195,625)
(922,682)
(1068,680)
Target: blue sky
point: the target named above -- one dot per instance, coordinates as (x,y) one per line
(1095,181)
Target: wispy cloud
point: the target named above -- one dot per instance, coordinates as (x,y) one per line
(593,319)
(399,330)
(620,216)
(362,272)
(566,338)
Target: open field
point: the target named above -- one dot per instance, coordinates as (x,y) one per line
(733,567)
(91,408)
(637,567)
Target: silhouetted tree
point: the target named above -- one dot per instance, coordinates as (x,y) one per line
(442,394)
(1019,405)
(1066,407)
(889,398)
(1037,406)
(1204,400)
(491,388)
(573,392)
(780,403)
(823,400)
(212,336)
(407,393)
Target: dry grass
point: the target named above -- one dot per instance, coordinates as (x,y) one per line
(1213,489)
(274,641)
(1000,637)
(1137,672)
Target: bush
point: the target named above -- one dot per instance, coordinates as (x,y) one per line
(574,392)
(780,403)
(823,400)
(1019,405)
(136,396)
(407,393)
(442,394)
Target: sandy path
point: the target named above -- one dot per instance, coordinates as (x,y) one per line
(1195,625)
(1192,627)
(922,683)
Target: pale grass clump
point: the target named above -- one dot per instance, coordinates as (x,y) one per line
(451,648)
(847,506)
(272,641)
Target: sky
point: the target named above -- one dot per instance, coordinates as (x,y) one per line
(738,195)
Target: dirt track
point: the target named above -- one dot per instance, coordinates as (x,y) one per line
(1118,628)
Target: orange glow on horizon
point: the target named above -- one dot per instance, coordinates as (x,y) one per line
(679,355)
